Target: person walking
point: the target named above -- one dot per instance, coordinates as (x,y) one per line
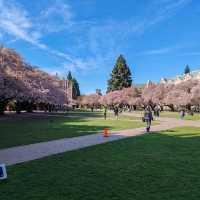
(148,117)
(182,114)
(157,110)
(105,112)
(116,112)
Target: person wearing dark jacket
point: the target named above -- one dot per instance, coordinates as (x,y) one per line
(116,112)
(105,112)
(148,117)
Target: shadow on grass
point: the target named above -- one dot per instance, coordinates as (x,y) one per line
(70,115)
(153,166)
(33,128)
(172,131)
(78,114)
(24,130)
(18,133)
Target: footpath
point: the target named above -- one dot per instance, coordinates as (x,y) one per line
(20,154)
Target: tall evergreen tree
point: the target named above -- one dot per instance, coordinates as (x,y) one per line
(121,75)
(187,69)
(75,85)
(69,76)
(75,88)
(98,91)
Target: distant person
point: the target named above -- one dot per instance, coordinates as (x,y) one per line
(157,110)
(182,114)
(148,117)
(116,112)
(191,112)
(105,112)
(92,109)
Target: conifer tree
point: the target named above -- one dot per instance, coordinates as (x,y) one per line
(75,85)
(121,76)
(187,69)
(75,88)
(69,76)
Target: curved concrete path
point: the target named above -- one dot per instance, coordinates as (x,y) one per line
(30,152)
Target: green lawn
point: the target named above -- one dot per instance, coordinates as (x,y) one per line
(177,115)
(156,166)
(23,130)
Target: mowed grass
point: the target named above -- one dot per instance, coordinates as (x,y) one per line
(177,115)
(33,129)
(157,166)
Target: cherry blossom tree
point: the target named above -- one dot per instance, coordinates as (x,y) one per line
(114,98)
(181,94)
(91,100)
(131,97)
(25,84)
(195,95)
(147,93)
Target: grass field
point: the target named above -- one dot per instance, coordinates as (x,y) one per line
(163,165)
(26,130)
(177,115)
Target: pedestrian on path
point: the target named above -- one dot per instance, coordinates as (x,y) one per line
(116,111)
(157,110)
(105,112)
(182,114)
(148,117)
(40,150)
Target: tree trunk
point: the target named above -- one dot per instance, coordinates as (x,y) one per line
(171,107)
(188,107)
(3,104)
(18,107)
(29,107)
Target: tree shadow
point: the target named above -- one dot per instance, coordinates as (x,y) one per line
(161,165)
(41,130)
(50,116)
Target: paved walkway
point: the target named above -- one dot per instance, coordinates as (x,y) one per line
(30,152)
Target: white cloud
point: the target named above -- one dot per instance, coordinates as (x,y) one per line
(56,17)
(166,50)
(15,21)
(161,50)
(106,40)
(168,8)
(58,9)
(110,37)
(103,40)
(157,51)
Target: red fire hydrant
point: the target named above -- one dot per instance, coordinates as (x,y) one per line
(105,132)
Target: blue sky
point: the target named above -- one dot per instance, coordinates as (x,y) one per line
(157,37)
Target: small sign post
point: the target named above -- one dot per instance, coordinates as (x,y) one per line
(3,173)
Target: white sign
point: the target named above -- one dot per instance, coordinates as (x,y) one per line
(3,174)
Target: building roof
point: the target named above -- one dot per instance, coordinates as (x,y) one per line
(192,74)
